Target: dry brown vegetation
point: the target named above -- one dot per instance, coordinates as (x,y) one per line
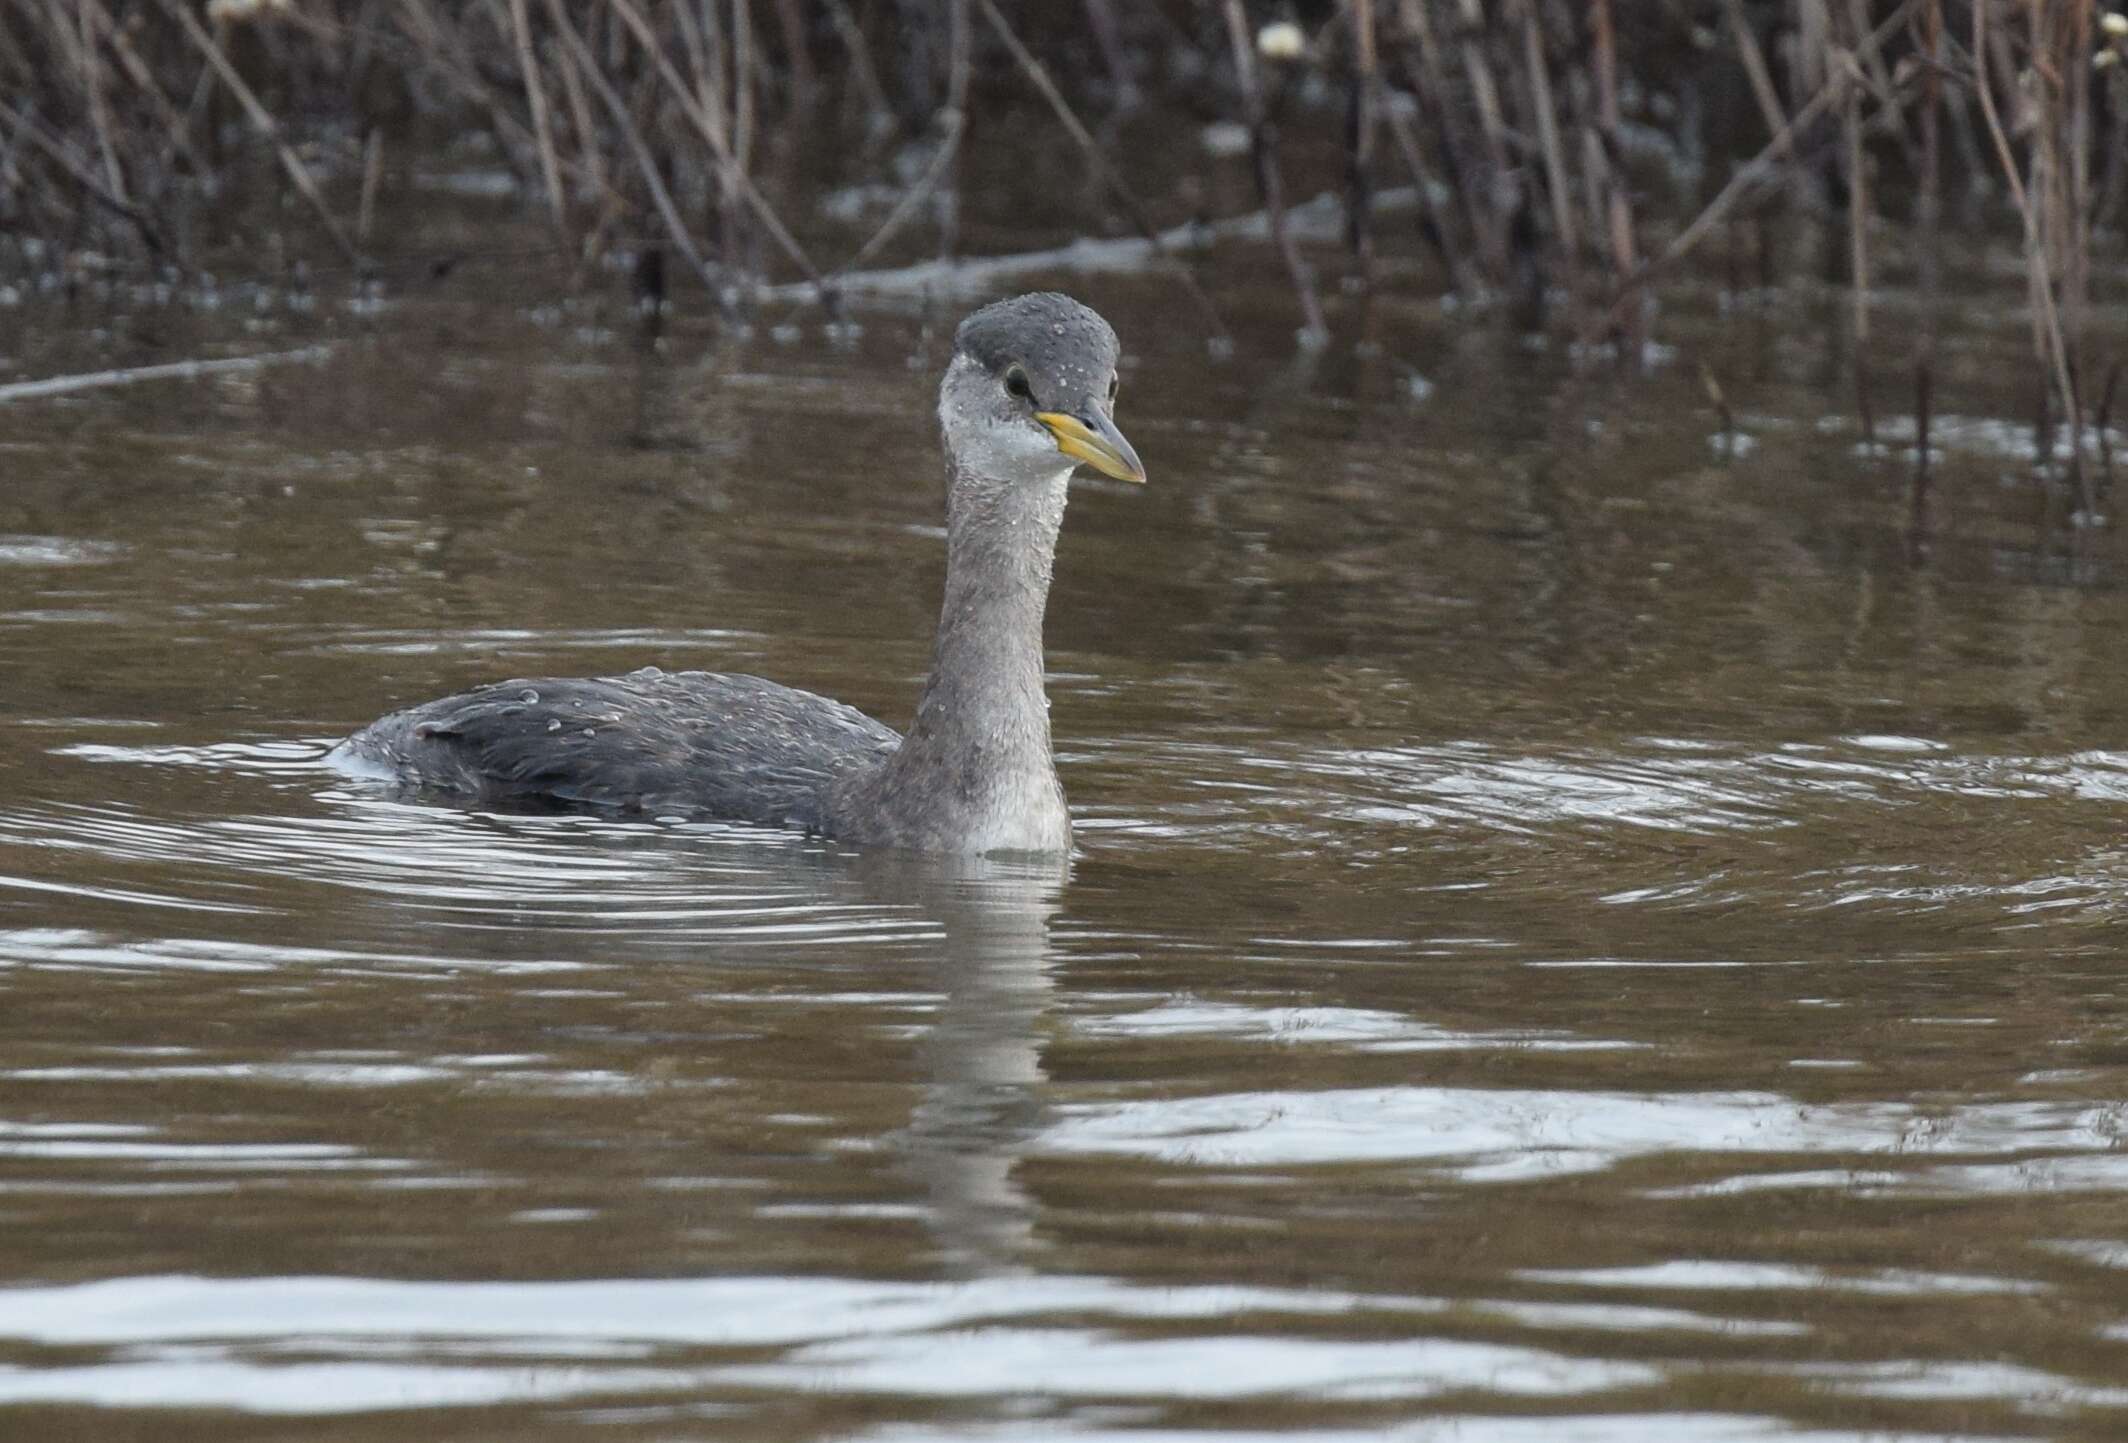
(1560,157)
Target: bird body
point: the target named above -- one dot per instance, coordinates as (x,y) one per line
(1028,395)
(651,742)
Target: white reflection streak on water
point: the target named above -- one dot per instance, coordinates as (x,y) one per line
(1693,1273)
(1509,1134)
(937,1339)
(1448,1428)
(1067,1363)
(198,1342)
(1354,1029)
(721,1312)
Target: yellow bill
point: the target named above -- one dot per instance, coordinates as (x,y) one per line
(1096,441)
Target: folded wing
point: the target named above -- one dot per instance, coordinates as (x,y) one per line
(695,743)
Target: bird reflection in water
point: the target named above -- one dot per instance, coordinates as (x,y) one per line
(983,1091)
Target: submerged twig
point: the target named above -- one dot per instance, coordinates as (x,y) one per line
(168,371)
(1320,220)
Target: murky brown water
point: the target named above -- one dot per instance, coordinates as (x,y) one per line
(1574,936)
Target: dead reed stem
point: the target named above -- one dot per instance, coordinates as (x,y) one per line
(1857,167)
(372,177)
(1540,96)
(1877,78)
(739,159)
(1485,96)
(1618,209)
(1263,149)
(1920,513)
(731,155)
(263,122)
(953,125)
(2102,423)
(646,162)
(1760,168)
(960,52)
(99,108)
(542,128)
(942,157)
(862,71)
(1098,160)
(92,185)
(2044,206)
(1928,215)
(596,179)
(1364,106)
(178,129)
(656,123)
(1755,71)
(1429,82)
(1435,224)
(796,55)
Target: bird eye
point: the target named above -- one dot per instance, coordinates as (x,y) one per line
(1016,384)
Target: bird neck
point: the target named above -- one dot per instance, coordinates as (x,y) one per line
(976,772)
(984,698)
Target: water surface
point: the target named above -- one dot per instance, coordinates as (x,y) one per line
(1577,931)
